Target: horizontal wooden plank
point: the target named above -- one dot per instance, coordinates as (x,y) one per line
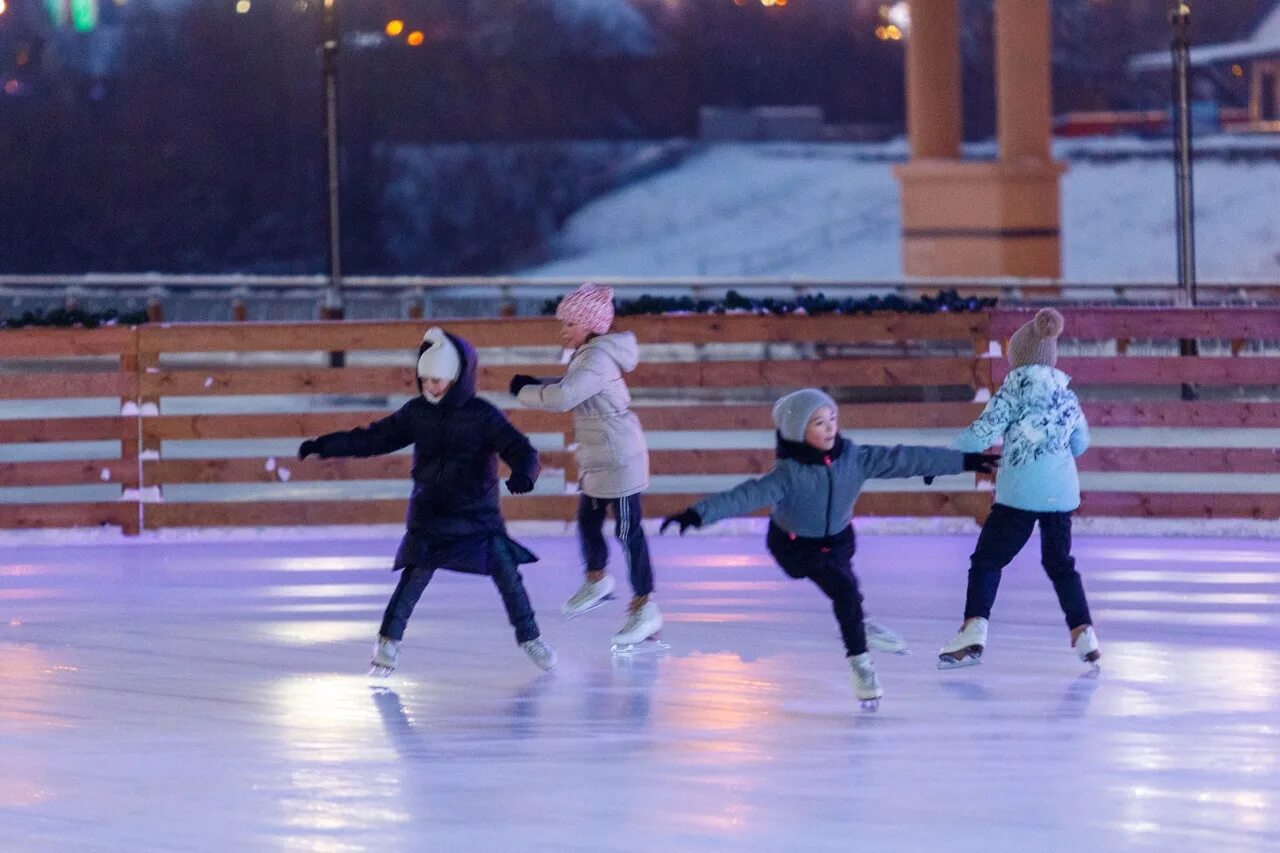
(1162,370)
(20,431)
(1148,323)
(273,470)
(1209,460)
(1174,413)
(348,335)
(545,508)
(70,472)
(707,416)
(846,372)
(158,382)
(542,331)
(44,386)
(304,425)
(824,328)
(62,343)
(1264,506)
(122,514)
(292,512)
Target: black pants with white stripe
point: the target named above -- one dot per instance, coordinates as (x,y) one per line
(595,553)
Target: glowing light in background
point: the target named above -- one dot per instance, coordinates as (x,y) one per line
(242,7)
(416,38)
(395,28)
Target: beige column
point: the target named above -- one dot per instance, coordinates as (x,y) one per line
(1024,94)
(933,79)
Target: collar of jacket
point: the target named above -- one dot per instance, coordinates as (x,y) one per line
(807,454)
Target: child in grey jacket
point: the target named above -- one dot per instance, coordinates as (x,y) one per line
(812,489)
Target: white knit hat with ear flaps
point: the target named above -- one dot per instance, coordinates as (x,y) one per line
(440,360)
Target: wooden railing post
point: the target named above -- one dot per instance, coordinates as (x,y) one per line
(131,429)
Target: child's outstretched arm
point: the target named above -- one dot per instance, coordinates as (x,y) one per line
(904,460)
(584,380)
(740,500)
(384,436)
(990,425)
(514,448)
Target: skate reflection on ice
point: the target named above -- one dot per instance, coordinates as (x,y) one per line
(526,705)
(967,691)
(622,694)
(1079,693)
(402,732)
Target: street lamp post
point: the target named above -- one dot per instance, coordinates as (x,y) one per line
(330,38)
(1180,20)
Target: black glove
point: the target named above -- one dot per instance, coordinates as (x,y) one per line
(310,447)
(983,463)
(688,518)
(519,484)
(928,481)
(520,380)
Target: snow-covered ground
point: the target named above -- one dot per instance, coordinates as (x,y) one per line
(832,211)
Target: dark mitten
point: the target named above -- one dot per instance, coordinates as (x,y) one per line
(519,484)
(928,481)
(983,463)
(520,380)
(310,447)
(688,518)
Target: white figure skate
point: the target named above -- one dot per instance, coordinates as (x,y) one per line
(540,653)
(1086,646)
(884,639)
(966,648)
(385,653)
(866,686)
(588,597)
(640,634)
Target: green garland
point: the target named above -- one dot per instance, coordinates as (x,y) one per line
(67,318)
(947,301)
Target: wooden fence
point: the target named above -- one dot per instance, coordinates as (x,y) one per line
(926,368)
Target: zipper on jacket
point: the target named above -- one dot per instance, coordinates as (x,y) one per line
(831,489)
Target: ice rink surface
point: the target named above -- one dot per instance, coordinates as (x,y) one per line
(211,695)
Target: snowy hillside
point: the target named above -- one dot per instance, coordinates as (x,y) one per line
(830,211)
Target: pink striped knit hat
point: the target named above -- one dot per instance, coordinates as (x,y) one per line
(590,306)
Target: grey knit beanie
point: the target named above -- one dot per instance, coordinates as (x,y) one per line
(1036,342)
(791,413)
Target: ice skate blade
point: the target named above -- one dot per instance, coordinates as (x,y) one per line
(574,614)
(650,646)
(887,650)
(953,662)
(379,671)
(869,705)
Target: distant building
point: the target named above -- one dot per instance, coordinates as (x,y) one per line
(1257,56)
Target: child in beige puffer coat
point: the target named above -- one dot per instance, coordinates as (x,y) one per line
(612,456)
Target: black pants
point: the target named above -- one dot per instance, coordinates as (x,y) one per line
(595,553)
(1003,535)
(828,562)
(413,581)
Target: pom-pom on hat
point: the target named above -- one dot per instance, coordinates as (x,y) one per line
(1036,342)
